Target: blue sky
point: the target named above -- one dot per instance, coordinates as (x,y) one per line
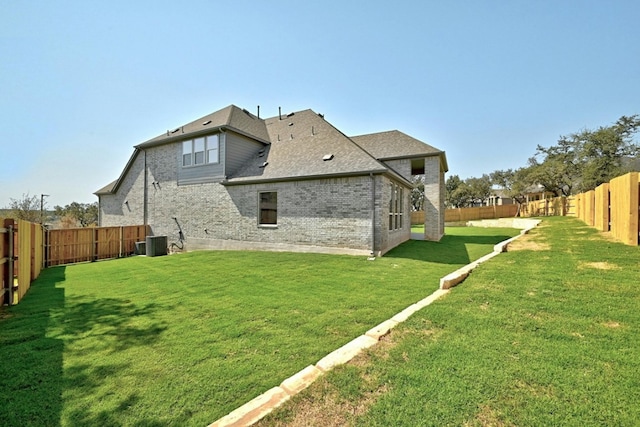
(82,82)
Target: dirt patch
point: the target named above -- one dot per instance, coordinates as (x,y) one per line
(322,405)
(602,265)
(612,325)
(487,416)
(328,409)
(527,243)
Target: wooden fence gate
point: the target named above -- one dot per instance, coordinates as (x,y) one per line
(21,258)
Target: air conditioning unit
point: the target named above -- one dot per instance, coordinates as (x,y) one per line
(156,245)
(141,248)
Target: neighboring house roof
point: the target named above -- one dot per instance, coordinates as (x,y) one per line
(299,143)
(500,192)
(394,144)
(231,117)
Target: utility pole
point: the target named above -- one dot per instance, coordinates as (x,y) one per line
(42,196)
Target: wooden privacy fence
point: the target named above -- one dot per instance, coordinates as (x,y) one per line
(470,214)
(69,246)
(546,207)
(482,212)
(25,248)
(21,258)
(557,206)
(615,207)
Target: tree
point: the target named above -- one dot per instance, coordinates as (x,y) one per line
(559,170)
(516,184)
(479,189)
(470,192)
(583,160)
(417,193)
(85,214)
(453,199)
(604,151)
(27,208)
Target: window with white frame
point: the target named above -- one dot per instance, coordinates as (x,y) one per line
(396,207)
(200,151)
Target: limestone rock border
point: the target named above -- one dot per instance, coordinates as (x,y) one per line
(252,411)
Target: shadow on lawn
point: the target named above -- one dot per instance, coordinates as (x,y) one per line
(449,250)
(39,332)
(31,375)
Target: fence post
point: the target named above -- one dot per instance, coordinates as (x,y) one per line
(94,244)
(12,258)
(120,255)
(4,259)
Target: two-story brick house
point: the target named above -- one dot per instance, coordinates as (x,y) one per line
(231,180)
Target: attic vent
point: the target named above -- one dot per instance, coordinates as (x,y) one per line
(206,123)
(263,165)
(321,115)
(291,124)
(290,114)
(327,157)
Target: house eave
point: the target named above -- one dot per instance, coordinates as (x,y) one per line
(441,154)
(232,182)
(116,184)
(182,136)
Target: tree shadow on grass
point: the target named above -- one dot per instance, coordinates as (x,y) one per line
(103,328)
(35,338)
(450,249)
(119,323)
(31,371)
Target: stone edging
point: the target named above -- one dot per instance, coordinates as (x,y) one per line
(252,411)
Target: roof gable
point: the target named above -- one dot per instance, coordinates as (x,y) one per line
(231,117)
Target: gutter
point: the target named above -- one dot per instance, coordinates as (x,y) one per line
(373,214)
(145,191)
(179,136)
(299,178)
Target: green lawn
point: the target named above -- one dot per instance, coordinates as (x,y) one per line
(548,335)
(185,339)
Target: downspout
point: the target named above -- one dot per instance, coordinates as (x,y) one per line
(145,192)
(222,140)
(373,214)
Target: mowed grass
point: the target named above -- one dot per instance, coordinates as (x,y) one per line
(185,339)
(545,335)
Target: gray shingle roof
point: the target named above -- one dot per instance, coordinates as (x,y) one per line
(297,146)
(396,145)
(299,142)
(107,189)
(231,117)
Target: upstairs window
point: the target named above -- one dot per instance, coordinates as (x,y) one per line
(268,208)
(187,149)
(200,151)
(213,149)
